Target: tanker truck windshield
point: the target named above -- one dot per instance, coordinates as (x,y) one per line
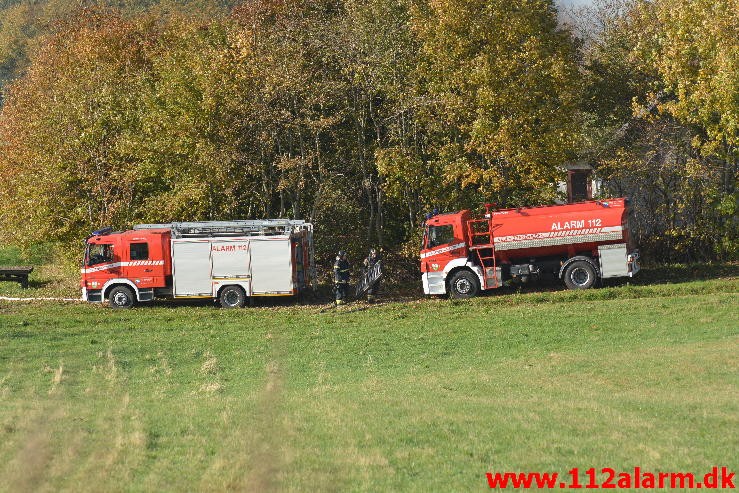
(440,235)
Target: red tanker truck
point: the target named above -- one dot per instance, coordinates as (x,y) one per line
(577,243)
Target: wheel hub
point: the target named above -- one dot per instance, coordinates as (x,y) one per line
(232,298)
(580,276)
(463,286)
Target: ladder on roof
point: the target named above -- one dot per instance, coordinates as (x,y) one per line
(480,234)
(259,227)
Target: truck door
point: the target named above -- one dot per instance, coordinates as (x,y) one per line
(191,268)
(442,246)
(102,263)
(232,262)
(140,265)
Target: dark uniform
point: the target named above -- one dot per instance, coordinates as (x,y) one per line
(370,262)
(341,277)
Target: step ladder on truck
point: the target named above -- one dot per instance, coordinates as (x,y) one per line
(482,246)
(229,261)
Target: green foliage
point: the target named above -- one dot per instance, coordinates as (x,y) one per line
(681,212)
(362,115)
(692,45)
(668,69)
(506,80)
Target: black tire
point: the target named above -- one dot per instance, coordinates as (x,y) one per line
(232,297)
(121,297)
(464,284)
(580,275)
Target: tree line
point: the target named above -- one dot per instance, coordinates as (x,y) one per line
(362,116)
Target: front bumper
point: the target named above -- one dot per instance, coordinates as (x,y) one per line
(92,295)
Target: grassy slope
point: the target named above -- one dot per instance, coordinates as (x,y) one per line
(50,277)
(416,396)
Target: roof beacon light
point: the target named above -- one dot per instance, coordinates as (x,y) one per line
(103,231)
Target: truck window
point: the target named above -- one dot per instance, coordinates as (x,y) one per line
(440,235)
(139,251)
(100,254)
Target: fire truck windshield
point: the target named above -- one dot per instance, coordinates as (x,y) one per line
(99,254)
(440,235)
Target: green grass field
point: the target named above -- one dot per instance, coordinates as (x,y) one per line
(412,396)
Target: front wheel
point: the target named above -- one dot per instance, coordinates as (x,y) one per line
(464,284)
(232,297)
(580,275)
(121,297)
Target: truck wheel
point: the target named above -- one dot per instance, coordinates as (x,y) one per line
(232,297)
(121,297)
(464,284)
(579,275)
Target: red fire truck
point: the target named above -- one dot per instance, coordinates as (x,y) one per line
(227,261)
(577,243)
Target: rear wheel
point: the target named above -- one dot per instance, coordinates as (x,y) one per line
(232,297)
(580,275)
(464,284)
(121,297)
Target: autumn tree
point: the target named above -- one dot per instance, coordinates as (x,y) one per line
(23,24)
(692,45)
(661,122)
(126,120)
(363,115)
(503,80)
(64,130)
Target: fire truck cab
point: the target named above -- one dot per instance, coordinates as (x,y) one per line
(121,265)
(444,254)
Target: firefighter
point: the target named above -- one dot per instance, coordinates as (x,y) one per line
(369,263)
(341,277)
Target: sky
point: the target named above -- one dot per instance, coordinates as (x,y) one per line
(574,2)
(566,13)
